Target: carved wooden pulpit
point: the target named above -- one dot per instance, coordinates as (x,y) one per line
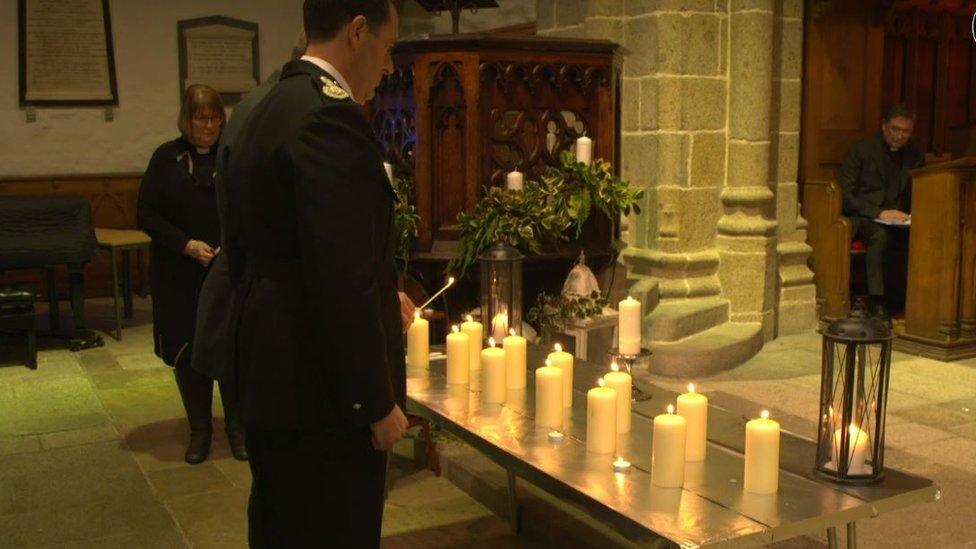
(940,315)
(461,111)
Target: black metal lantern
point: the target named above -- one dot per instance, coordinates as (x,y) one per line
(501,291)
(856,367)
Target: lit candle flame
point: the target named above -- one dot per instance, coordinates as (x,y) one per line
(491,341)
(764,414)
(469,318)
(670,408)
(511,331)
(691,387)
(416,314)
(455,329)
(602,382)
(558,348)
(614,366)
(853,430)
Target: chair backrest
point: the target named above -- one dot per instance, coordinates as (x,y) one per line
(829,234)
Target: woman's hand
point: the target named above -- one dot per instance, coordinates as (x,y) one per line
(201,251)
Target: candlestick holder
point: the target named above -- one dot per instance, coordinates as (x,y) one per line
(629,361)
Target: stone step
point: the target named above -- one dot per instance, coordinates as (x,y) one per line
(709,352)
(673,320)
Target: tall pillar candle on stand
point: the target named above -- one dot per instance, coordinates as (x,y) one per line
(584,150)
(629,327)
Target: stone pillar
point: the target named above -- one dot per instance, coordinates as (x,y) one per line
(796,294)
(747,231)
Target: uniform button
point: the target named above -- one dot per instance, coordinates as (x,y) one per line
(357,406)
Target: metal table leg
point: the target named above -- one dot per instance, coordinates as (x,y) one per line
(513,502)
(115,295)
(127,283)
(832,537)
(851,535)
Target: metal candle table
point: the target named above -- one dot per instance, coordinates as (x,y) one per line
(710,511)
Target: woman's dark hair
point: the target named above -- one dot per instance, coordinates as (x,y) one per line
(325,18)
(198,98)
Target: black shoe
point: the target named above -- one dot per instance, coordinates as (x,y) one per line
(199,448)
(235,436)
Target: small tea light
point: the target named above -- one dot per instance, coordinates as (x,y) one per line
(555,436)
(621,465)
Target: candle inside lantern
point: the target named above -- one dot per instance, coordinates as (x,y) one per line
(601,419)
(499,326)
(694,407)
(564,361)
(388,168)
(629,327)
(621,465)
(514,181)
(668,450)
(549,396)
(493,374)
(458,357)
(859,450)
(515,363)
(584,150)
(476,336)
(418,342)
(555,436)
(761,474)
(624,385)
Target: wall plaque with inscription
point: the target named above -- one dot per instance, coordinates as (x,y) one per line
(66,55)
(219,52)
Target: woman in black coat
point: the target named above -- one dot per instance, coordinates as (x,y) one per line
(177,208)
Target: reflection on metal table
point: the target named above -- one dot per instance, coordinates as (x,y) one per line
(710,511)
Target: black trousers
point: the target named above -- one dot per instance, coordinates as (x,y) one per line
(314,489)
(877,239)
(196,391)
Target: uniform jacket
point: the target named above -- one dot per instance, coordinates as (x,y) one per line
(173,209)
(310,244)
(213,342)
(864,176)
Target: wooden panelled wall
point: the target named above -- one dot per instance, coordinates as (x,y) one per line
(113,200)
(929,63)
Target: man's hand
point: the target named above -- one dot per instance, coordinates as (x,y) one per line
(387,431)
(407,309)
(894,216)
(201,251)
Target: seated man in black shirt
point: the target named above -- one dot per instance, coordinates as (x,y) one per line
(877,186)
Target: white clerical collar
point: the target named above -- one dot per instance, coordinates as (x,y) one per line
(327,67)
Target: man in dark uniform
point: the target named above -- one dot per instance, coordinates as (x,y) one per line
(310,243)
(877,186)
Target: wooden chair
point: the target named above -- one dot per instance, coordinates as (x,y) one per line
(829,233)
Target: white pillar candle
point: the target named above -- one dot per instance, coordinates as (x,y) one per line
(624,385)
(668,450)
(476,337)
(564,361)
(515,362)
(389,170)
(514,181)
(418,342)
(762,456)
(601,419)
(584,150)
(499,326)
(458,357)
(629,327)
(859,450)
(549,397)
(694,407)
(493,374)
